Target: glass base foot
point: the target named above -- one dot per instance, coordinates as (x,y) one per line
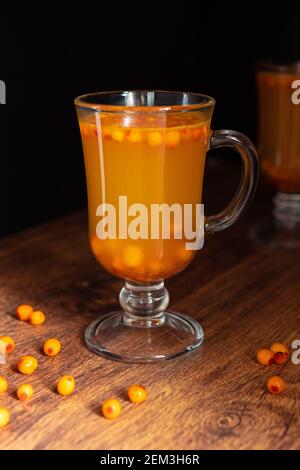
(124,338)
(275,235)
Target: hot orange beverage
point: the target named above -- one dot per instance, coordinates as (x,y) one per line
(279,129)
(150,160)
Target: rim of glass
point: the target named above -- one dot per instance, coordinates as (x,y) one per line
(292,67)
(82,101)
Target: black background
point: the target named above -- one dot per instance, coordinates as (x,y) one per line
(49,56)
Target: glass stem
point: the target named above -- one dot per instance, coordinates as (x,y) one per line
(287,210)
(144,305)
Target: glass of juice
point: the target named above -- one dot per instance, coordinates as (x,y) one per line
(144,154)
(279,148)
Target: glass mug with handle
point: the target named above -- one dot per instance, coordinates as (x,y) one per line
(279,146)
(145,149)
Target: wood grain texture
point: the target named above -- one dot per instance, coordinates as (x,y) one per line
(245,297)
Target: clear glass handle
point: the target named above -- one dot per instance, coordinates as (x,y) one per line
(248,182)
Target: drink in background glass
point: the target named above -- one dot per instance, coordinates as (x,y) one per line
(150,147)
(279,148)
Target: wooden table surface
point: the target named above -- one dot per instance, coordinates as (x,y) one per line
(245,296)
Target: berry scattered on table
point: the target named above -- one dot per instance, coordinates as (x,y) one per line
(37,317)
(25,392)
(276,384)
(66,385)
(27,365)
(3,384)
(52,347)
(23,312)
(9,343)
(281,353)
(137,393)
(111,408)
(265,357)
(4,417)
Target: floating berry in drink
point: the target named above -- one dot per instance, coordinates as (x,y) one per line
(135,137)
(118,135)
(154,138)
(172,139)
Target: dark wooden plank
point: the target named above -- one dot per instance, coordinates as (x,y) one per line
(245,296)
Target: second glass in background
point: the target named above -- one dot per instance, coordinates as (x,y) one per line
(279,148)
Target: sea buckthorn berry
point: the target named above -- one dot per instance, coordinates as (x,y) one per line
(279,347)
(24,311)
(37,317)
(186,134)
(276,384)
(106,133)
(3,385)
(25,392)
(197,133)
(137,393)
(66,385)
(111,408)
(154,138)
(9,343)
(135,137)
(84,128)
(118,135)
(4,417)
(281,353)
(132,256)
(172,139)
(94,131)
(52,347)
(280,358)
(265,357)
(27,364)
